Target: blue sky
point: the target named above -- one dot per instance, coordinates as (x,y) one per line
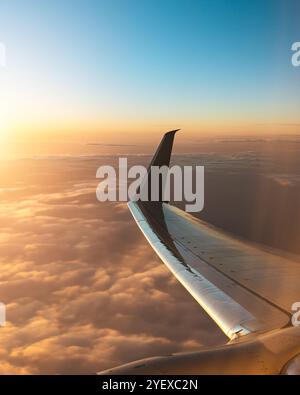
(159,61)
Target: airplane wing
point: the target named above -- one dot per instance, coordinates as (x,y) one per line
(245,289)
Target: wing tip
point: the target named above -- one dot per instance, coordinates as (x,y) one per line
(172,132)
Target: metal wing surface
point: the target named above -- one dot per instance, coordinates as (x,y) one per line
(244,288)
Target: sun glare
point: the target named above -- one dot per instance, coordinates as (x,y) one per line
(4,136)
(4,112)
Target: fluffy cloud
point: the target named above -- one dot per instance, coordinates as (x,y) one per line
(83,290)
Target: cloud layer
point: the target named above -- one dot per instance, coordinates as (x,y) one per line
(84,291)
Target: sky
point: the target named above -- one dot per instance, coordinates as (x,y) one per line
(128,70)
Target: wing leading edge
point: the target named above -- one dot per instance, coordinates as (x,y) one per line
(243,288)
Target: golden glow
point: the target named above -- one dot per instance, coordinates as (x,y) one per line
(35,119)
(4,134)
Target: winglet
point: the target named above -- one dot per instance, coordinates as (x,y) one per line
(161,158)
(163,153)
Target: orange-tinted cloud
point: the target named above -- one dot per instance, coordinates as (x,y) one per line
(83,289)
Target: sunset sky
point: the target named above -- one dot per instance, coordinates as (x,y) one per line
(126,70)
(83,289)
